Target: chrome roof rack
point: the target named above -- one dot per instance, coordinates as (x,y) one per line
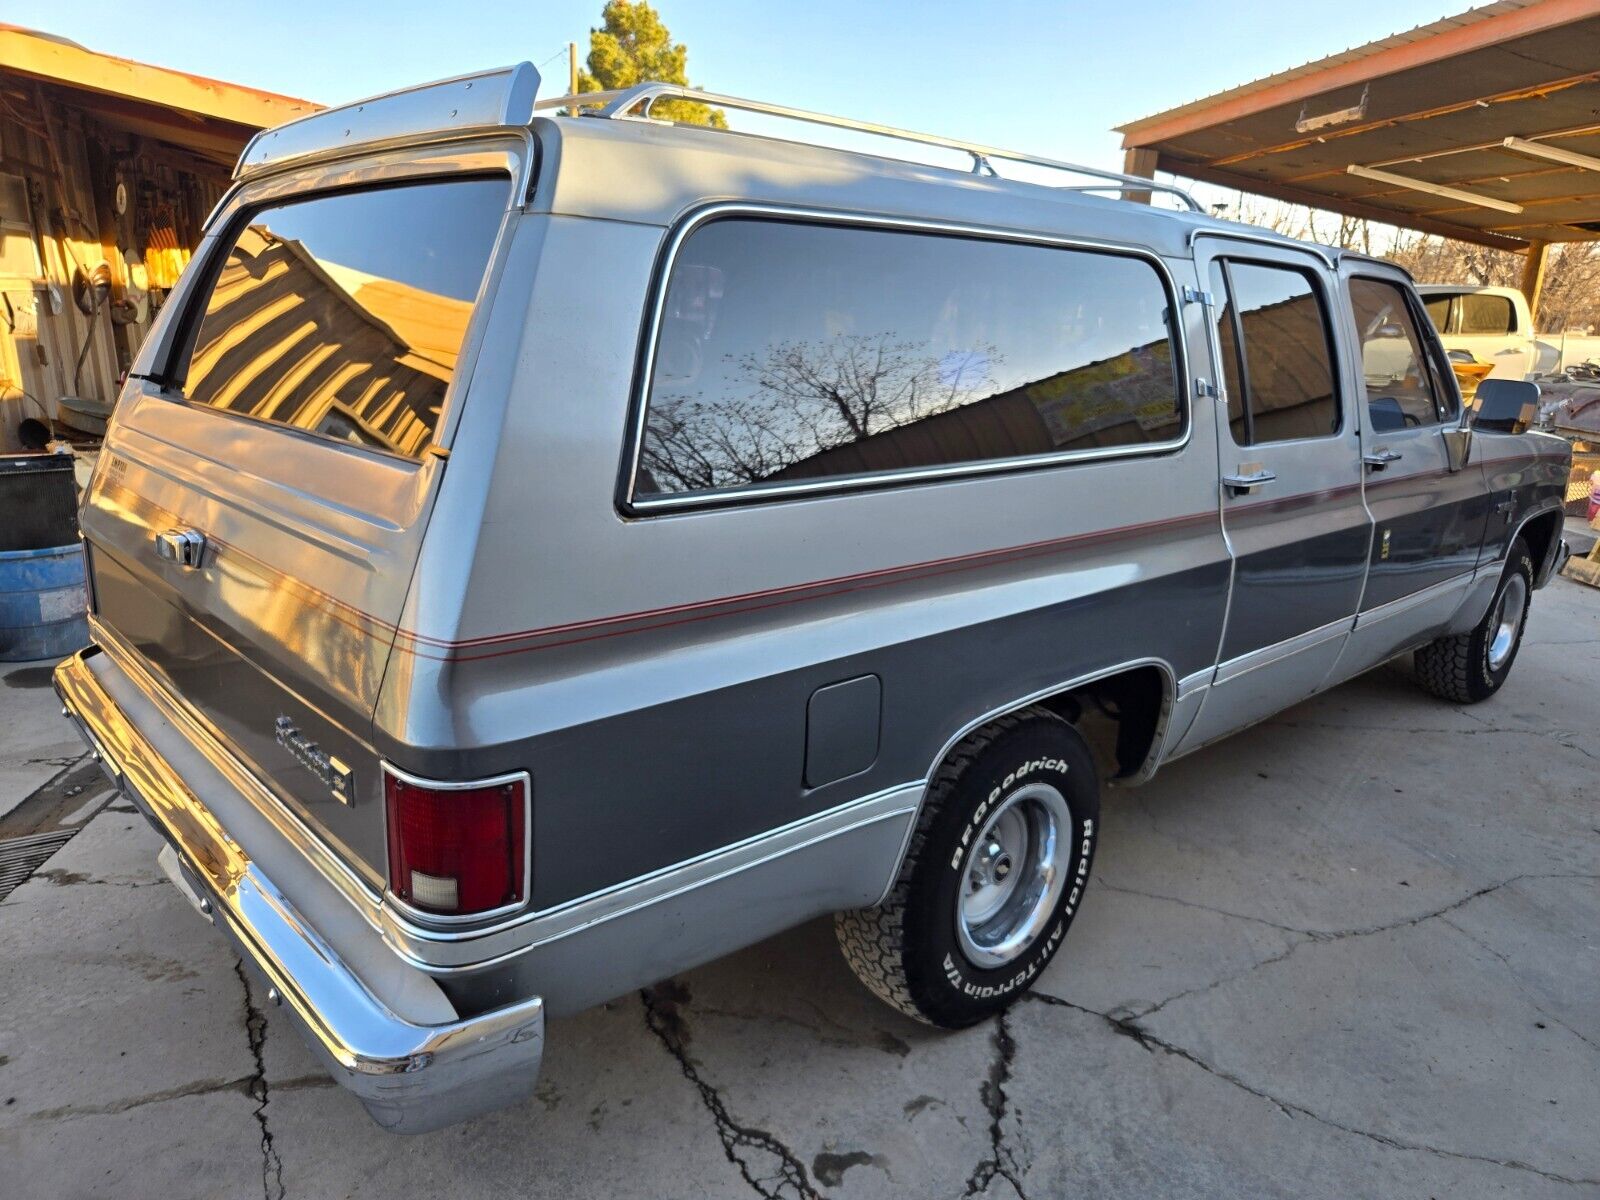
(635,102)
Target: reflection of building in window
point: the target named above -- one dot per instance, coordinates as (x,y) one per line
(1288,366)
(324,348)
(789,351)
(1114,402)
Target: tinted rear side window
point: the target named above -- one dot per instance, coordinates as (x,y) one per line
(789,351)
(1280,387)
(342,315)
(1438,311)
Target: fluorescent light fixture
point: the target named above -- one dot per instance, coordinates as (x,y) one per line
(1339,117)
(1432,189)
(1571,158)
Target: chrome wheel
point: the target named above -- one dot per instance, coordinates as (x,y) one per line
(1014,875)
(1507,621)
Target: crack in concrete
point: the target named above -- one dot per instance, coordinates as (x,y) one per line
(663,1019)
(846,1039)
(255,1027)
(1317,936)
(1516,978)
(1129,1027)
(202,1087)
(1001,1161)
(1221,912)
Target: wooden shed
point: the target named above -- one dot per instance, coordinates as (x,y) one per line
(108,168)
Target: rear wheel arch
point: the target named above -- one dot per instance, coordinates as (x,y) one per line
(1139,694)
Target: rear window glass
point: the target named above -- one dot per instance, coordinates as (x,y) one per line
(790,352)
(342,315)
(1280,382)
(1482,314)
(1438,311)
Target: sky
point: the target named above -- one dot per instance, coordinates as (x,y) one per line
(1048,78)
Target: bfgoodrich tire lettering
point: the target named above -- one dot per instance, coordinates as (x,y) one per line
(1468,667)
(909,950)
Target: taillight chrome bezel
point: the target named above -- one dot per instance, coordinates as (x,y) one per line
(421,916)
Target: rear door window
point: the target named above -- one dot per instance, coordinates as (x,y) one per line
(342,315)
(1277,357)
(790,352)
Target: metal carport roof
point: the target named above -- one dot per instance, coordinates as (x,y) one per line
(1413,130)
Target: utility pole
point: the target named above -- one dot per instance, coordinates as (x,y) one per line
(572,75)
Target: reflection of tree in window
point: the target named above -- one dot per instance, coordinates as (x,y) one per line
(812,371)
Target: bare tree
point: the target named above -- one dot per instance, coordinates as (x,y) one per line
(802,399)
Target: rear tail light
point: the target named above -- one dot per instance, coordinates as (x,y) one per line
(457,849)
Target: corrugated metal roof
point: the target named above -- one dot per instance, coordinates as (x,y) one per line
(1421,33)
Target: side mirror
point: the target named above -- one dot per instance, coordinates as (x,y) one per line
(1504,406)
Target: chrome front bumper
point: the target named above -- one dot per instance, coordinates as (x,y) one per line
(412,1075)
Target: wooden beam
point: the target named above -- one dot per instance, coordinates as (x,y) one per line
(1139,162)
(39,57)
(1431,48)
(1339,204)
(1533,277)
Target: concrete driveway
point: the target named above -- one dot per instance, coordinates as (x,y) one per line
(1353,952)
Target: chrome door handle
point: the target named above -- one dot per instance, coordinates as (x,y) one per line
(1381,457)
(182,546)
(1249,478)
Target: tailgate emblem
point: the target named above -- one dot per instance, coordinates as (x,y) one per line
(336,777)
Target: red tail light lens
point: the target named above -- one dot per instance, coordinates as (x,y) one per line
(458,850)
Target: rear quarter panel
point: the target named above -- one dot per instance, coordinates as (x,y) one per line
(653,672)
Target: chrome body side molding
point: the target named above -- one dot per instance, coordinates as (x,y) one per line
(442,952)
(1267,655)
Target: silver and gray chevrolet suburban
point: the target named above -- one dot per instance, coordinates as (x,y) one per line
(535,554)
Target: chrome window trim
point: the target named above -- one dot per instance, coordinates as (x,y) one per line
(632,505)
(1330,260)
(1236,668)
(466,948)
(483,157)
(423,918)
(1328,305)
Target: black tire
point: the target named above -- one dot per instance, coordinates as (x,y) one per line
(907,950)
(1461,668)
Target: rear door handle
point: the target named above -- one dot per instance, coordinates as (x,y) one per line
(182,546)
(1381,457)
(1248,479)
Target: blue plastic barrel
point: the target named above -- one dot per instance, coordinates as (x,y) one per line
(43,605)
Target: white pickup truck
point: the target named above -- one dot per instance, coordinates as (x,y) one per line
(1495,326)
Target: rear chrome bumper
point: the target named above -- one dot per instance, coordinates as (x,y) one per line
(412,1076)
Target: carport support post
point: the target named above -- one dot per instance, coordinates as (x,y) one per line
(1533,277)
(1137,160)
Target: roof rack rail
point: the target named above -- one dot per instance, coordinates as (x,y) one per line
(636,101)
